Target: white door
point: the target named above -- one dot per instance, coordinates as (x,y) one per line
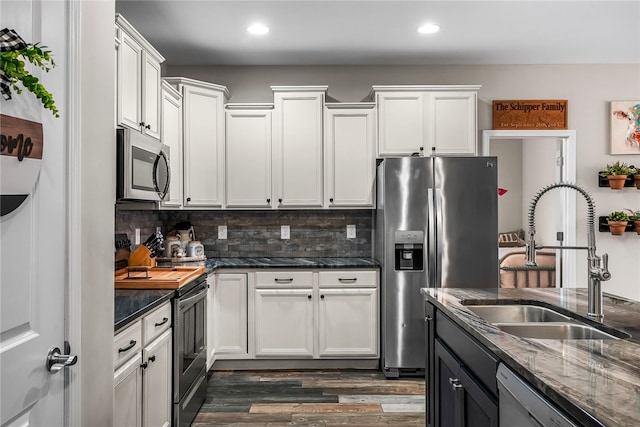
(33,238)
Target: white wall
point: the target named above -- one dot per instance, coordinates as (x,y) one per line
(588,88)
(510,212)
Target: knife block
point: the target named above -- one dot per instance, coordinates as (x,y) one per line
(142,257)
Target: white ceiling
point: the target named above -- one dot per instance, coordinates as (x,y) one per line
(385,32)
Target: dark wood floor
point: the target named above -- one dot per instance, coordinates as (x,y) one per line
(311,398)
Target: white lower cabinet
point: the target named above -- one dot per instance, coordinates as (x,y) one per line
(310,314)
(284,322)
(230,316)
(142,379)
(348,322)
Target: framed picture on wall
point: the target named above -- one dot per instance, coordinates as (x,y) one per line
(625,127)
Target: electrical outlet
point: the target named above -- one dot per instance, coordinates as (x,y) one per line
(137,238)
(285,232)
(222,232)
(351,231)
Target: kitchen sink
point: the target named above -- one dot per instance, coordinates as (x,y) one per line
(528,320)
(557,331)
(517,313)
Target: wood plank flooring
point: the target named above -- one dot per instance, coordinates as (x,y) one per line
(318,398)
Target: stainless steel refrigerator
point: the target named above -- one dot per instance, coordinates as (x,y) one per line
(436,225)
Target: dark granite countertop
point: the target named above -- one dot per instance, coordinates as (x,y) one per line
(597,381)
(251,263)
(130,304)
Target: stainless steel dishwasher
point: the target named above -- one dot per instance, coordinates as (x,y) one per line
(522,406)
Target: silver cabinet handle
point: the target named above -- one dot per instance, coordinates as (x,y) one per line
(353,280)
(57,361)
(289,280)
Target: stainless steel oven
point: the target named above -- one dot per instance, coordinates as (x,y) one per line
(189,351)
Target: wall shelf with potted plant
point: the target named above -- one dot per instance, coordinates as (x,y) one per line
(619,175)
(617,223)
(634,217)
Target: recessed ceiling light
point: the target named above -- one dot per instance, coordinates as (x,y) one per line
(429,29)
(258,29)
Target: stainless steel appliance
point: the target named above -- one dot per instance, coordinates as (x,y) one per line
(522,406)
(142,166)
(436,225)
(189,350)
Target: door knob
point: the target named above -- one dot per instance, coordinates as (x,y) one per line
(57,361)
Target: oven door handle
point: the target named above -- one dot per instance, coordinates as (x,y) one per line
(187,301)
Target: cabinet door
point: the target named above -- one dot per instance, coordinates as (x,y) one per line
(203,147)
(248,158)
(129,82)
(297,142)
(127,394)
(348,322)
(156,382)
(230,314)
(283,322)
(350,157)
(172,137)
(401,129)
(460,400)
(451,122)
(150,96)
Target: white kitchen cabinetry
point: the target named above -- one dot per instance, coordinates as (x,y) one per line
(203,139)
(348,323)
(172,137)
(427,120)
(284,314)
(143,363)
(319,315)
(211,351)
(248,155)
(230,316)
(138,80)
(350,163)
(297,146)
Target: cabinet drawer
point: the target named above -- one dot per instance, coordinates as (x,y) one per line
(292,279)
(156,322)
(349,278)
(473,355)
(127,343)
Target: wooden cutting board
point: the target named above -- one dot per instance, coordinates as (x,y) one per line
(159,277)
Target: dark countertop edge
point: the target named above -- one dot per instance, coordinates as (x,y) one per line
(575,411)
(122,324)
(290,263)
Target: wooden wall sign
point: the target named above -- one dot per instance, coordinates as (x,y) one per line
(21,145)
(534,114)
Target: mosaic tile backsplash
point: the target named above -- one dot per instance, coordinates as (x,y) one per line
(313,233)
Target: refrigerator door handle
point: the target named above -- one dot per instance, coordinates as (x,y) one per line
(431,240)
(437,250)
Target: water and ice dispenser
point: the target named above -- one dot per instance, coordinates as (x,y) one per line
(409,250)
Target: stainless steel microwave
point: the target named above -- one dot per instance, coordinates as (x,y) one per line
(142,167)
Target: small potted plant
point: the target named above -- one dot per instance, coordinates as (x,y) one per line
(635,217)
(636,176)
(617,221)
(617,174)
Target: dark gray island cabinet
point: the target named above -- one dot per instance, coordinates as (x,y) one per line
(461,375)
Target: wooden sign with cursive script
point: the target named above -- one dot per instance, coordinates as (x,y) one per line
(543,114)
(21,148)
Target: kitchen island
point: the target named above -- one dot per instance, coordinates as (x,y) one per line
(594,381)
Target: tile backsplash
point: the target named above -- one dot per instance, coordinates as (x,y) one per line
(313,233)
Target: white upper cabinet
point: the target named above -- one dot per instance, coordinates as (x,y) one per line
(426,120)
(297,146)
(350,155)
(138,80)
(203,139)
(172,137)
(248,155)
